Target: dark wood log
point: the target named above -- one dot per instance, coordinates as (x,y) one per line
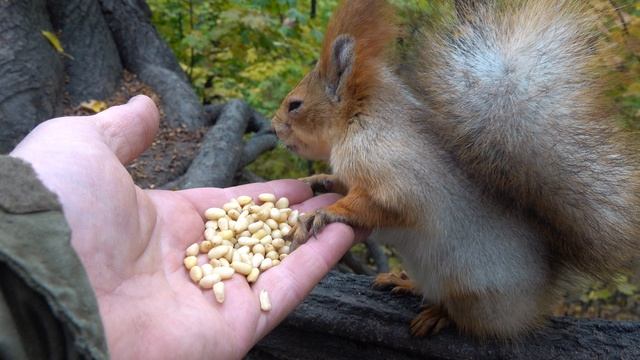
(344,318)
(93,69)
(143,51)
(31,71)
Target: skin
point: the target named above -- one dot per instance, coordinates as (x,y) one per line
(131,241)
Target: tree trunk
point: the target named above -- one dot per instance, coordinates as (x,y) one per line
(31,72)
(100,38)
(94,69)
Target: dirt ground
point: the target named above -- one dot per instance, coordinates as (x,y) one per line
(170,153)
(173,150)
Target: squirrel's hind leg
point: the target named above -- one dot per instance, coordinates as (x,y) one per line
(430,321)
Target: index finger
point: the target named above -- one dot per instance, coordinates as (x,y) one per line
(290,282)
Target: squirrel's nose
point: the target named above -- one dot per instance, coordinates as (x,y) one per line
(294,104)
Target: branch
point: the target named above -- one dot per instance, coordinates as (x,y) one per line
(344,318)
(355,265)
(221,149)
(378,256)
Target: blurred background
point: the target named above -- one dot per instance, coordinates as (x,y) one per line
(194,56)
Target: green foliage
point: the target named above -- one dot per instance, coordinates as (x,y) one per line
(255,50)
(620,21)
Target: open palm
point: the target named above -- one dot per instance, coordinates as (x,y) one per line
(132,241)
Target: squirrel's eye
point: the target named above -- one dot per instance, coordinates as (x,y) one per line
(294,105)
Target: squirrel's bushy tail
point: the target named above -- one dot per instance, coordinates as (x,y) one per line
(516,96)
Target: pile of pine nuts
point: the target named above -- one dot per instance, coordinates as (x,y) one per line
(242,237)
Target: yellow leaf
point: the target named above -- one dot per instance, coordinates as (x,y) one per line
(94,105)
(55,42)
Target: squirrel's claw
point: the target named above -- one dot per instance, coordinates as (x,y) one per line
(430,321)
(319,184)
(310,225)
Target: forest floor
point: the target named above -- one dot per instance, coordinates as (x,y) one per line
(173,150)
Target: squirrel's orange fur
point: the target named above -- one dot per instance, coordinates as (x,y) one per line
(489,161)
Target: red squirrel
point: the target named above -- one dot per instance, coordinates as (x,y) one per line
(491,161)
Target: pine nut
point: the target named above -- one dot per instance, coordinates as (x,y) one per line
(257,260)
(205,246)
(277,243)
(255,226)
(259,234)
(190,261)
(218,252)
(208,281)
(265,303)
(241,225)
(247,241)
(193,250)
(293,218)
(225,272)
(230,206)
(267,197)
(226,234)
(266,264)
(218,290)
(258,249)
(253,275)
(272,224)
(223,224)
(241,268)
(207,269)
(273,255)
(244,200)
(209,233)
(214,213)
(282,203)
(210,224)
(195,273)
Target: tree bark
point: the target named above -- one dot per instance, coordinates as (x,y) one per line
(94,69)
(31,71)
(344,318)
(143,51)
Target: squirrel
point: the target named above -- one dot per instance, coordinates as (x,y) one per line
(489,157)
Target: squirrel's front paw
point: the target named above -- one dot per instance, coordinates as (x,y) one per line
(324,183)
(310,225)
(320,183)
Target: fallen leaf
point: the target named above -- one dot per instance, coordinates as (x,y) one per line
(55,42)
(94,105)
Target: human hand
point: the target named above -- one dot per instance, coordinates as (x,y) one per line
(132,241)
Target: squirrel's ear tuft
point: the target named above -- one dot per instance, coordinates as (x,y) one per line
(355,46)
(340,65)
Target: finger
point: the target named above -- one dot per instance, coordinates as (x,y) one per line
(204,198)
(290,282)
(129,129)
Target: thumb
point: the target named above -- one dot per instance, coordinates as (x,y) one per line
(130,128)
